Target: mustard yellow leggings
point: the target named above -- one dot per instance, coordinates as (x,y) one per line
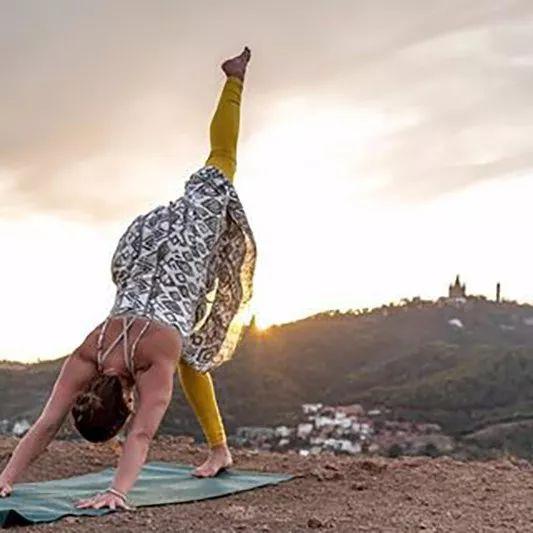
(197,387)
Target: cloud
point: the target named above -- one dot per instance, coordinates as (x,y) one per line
(105,105)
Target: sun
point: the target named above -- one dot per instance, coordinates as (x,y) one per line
(262,324)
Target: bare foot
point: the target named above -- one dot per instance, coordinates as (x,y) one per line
(236,66)
(218,459)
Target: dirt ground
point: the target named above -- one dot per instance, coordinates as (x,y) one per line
(328,493)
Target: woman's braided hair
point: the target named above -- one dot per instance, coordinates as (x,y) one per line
(101,411)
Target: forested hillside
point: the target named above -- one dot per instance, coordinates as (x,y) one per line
(466,366)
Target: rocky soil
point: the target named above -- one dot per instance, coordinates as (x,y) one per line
(328,493)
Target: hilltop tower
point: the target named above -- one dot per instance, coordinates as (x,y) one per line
(251,331)
(252,326)
(456,290)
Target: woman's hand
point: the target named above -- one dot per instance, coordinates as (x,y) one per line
(104,499)
(5,488)
(75,374)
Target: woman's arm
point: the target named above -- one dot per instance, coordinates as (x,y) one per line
(155,392)
(73,378)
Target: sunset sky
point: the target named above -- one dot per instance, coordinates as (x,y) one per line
(385,147)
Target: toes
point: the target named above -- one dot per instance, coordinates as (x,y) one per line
(244,57)
(82,505)
(203,471)
(198,472)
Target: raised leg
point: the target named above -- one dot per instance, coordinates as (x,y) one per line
(224,130)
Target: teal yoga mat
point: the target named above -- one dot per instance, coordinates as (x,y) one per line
(158,484)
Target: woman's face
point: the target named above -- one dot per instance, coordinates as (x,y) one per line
(129,393)
(128,387)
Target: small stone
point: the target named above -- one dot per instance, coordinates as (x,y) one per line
(358,486)
(374,467)
(336,476)
(523,464)
(314,523)
(319,476)
(505,464)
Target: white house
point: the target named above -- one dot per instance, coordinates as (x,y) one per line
(304,430)
(324,421)
(350,447)
(20,427)
(284,432)
(311,408)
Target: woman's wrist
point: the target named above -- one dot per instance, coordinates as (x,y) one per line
(118,493)
(8,477)
(6,481)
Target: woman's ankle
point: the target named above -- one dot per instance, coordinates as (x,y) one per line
(219,447)
(236,79)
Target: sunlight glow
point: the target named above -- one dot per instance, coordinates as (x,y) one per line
(326,236)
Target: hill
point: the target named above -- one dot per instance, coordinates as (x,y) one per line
(466,366)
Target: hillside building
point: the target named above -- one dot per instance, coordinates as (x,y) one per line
(457,290)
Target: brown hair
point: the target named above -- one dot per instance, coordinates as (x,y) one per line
(101,411)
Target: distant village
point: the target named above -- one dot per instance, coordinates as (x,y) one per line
(347,429)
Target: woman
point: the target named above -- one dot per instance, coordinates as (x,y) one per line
(184,275)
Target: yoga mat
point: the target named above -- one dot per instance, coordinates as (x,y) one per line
(158,484)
